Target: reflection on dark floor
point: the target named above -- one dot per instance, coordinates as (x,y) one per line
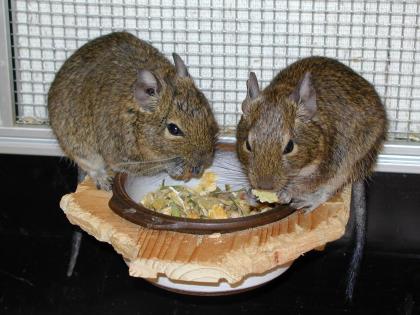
(35,242)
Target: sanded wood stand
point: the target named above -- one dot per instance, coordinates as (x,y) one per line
(205,258)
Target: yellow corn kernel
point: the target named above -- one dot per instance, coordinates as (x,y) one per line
(217,212)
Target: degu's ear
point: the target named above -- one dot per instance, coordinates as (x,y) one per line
(252,91)
(305,95)
(146,90)
(181,69)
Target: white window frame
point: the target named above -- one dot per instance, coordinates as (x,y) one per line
(39,140)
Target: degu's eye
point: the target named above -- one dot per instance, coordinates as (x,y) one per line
(174,130)
(248,146)
(150,91)
(289,147)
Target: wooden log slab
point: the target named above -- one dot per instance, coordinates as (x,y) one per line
(205,258)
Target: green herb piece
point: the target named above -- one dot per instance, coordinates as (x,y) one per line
(238,207)
(175,210)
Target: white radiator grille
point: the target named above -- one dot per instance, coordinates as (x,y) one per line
(222,40)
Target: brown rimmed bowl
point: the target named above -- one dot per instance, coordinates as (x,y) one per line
(128,191)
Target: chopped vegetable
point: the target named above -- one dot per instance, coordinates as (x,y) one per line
(265,196)
(217,212)
(205,201)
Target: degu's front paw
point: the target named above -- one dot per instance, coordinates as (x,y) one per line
(284,197)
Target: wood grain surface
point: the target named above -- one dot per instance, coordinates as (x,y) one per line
(205,258)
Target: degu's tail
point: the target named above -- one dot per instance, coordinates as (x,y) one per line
(358,206)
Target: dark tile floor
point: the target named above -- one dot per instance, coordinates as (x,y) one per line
(35,240)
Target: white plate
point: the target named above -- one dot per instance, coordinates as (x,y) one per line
(221,288)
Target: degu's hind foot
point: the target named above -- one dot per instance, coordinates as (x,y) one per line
(309,202)
(96,169)
(104,181)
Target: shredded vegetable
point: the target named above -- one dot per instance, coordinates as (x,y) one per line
(204,201)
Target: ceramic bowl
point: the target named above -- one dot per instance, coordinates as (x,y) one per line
(129,190)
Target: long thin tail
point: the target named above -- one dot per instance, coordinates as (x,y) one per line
(358,204)
(77,234)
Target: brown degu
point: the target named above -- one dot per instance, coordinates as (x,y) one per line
(118,105)
(315,128)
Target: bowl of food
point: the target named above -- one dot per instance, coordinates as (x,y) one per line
(219,202)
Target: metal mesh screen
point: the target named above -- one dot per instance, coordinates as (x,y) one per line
(222,40)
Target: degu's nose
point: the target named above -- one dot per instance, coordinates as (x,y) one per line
(197,171)
(266,183)
(201,160)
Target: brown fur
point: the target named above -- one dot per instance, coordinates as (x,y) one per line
(338,145)
(98,120)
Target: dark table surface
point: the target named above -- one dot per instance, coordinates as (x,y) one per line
(35,244)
